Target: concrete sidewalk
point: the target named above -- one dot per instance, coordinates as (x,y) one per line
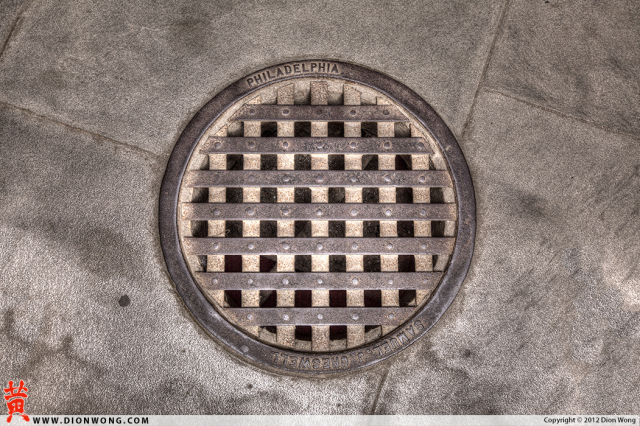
(543,97)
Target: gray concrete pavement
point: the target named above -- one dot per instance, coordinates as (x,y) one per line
(544,100)
(574,57)
(136,72)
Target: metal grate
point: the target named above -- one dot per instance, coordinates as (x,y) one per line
(317,215)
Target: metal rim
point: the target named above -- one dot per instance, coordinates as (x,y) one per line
(317,364)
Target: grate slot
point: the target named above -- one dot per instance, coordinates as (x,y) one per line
(285,334)
(309,211)
(389,297)
(357,144)
(332,145)
(320,334)
(325,178)
(319,113)
(321,317)
(319,246)
(250,262)
(320,280)
(216,228)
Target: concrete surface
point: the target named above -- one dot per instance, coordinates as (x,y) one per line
(543,97)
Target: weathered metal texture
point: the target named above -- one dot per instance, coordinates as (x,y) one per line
(295,178)
(302,145)
(291,211)
(239,328)
(319,113)
(318,280)
(321,246)
(319,316)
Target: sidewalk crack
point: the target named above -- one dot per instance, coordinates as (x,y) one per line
(142,151)
(560,113)
(24,8)
(485,69)
(379,391)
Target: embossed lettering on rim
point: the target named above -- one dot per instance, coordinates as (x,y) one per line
(293,361)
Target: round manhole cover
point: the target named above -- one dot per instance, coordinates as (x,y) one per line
(317,217)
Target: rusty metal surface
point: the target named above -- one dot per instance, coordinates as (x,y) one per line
(321,246)
(320,316)
(318,280)
(292,178)
(305,145)
(300,211)
(402,326)
(319,113)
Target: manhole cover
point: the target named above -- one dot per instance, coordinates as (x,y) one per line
(317,217)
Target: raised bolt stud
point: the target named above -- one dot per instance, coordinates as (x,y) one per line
(391,316)
(285,112)
(319,281)
(285,144)
(285,317)
(249,281)
(216,212)
(354,246)
(389,246)
(216,246)
(251,246)
(249,316)
(319,246)
(218,145)
(319,212)
(354,281)
(285,281)
(355,317)
(422,179)
(354,212)
(320,316)
(388,212)
(251,211)
(387,178)
(285,246)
